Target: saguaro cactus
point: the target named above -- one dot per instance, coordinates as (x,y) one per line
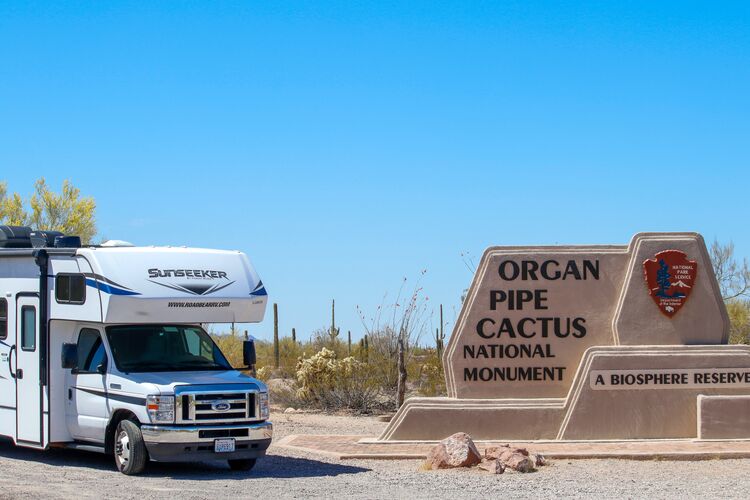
(276,353)
(440,336)
(367,350)
(294,335)
(333,331)
(349,343)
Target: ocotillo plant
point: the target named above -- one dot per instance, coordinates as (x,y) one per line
(333,331)
(276,353)
(349,343)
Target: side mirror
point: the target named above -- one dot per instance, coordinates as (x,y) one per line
(69,356)
(248,352)
(102,367)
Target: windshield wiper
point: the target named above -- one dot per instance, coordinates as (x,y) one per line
(178,366)
(203,365)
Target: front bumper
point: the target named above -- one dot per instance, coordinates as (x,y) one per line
(190,443)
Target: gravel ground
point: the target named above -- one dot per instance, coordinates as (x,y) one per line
(290,474)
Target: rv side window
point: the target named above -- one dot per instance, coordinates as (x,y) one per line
(28,328)
(196,345)
(3,318)
(91,351)
(70,288)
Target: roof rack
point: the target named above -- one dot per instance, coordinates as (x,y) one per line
(25,237)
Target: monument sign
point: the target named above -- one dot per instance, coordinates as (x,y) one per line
(589,342)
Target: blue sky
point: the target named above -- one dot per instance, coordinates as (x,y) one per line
(345,145)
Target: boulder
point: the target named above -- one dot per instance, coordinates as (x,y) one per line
(518,459)
(504,450)
(520,463)
(290,410)
(457,450)
(493,466)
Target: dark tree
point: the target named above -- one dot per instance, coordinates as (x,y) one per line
(662,278)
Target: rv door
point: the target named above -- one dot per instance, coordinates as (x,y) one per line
(28,390)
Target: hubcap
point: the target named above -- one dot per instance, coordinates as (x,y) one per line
(122,448)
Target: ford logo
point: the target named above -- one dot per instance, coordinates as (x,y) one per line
(220,406)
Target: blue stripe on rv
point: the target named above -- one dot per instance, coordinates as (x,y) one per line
(109,288)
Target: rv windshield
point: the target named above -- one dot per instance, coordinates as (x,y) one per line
(164,348)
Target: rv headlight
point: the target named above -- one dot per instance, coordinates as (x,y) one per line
(265,412)
(160,409)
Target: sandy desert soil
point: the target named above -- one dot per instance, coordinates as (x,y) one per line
(292,474)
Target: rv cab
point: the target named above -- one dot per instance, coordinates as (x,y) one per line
(104,348)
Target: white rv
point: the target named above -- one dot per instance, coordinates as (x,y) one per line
(103,348)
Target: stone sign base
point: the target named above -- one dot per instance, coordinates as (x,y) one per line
(723,417)
(618,393)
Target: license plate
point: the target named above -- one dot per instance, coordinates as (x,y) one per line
(224,445)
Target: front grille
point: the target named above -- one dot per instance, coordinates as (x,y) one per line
(223,433)
(232,406)
(211,407)
(239,415)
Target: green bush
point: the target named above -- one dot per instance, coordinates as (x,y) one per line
(231,346)
(328,383)
(428,374)
(321,339)
(263,373)
(290,351)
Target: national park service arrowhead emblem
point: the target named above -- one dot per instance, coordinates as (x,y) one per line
(670,277)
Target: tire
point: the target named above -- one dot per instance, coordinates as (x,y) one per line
(130,450)
(244,464)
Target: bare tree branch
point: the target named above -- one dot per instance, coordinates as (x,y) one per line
(733,277)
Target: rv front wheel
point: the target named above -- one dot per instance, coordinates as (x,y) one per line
(130,450)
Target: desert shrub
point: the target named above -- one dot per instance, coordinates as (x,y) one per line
(285,396)
(289,353)
(396,323)
(263,353)
(322,339)
(231,345)
(383,357)
(429,376)
(263,373)
(739,321)
(326,382)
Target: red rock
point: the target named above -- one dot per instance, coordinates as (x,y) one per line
(496,451)
(493,466)
(517,459)
(520,463)
(502,453)
(456,451)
